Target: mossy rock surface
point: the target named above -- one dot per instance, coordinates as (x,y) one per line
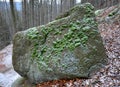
(65,48)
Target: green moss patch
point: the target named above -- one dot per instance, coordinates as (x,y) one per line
(73,34)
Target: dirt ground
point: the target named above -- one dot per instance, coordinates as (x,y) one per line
(7,73)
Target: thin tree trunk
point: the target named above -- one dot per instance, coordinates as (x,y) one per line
(13,15)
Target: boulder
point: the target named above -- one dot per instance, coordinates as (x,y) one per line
(65,48)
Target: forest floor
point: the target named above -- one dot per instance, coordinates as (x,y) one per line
(7,73)
(106,77)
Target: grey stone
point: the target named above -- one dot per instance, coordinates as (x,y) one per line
(22,82)
(65,48)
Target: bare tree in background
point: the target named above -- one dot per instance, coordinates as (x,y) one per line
(5,33)
(72,3)
(13,15)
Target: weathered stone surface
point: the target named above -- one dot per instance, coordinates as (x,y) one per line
(22,82)
(68,47)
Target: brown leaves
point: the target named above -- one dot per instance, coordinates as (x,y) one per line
(62,83)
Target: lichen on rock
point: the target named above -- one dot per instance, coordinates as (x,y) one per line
(68,47)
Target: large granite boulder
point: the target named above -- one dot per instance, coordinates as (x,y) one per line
(66,48)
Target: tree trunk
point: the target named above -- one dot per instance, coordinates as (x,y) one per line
(13,15)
